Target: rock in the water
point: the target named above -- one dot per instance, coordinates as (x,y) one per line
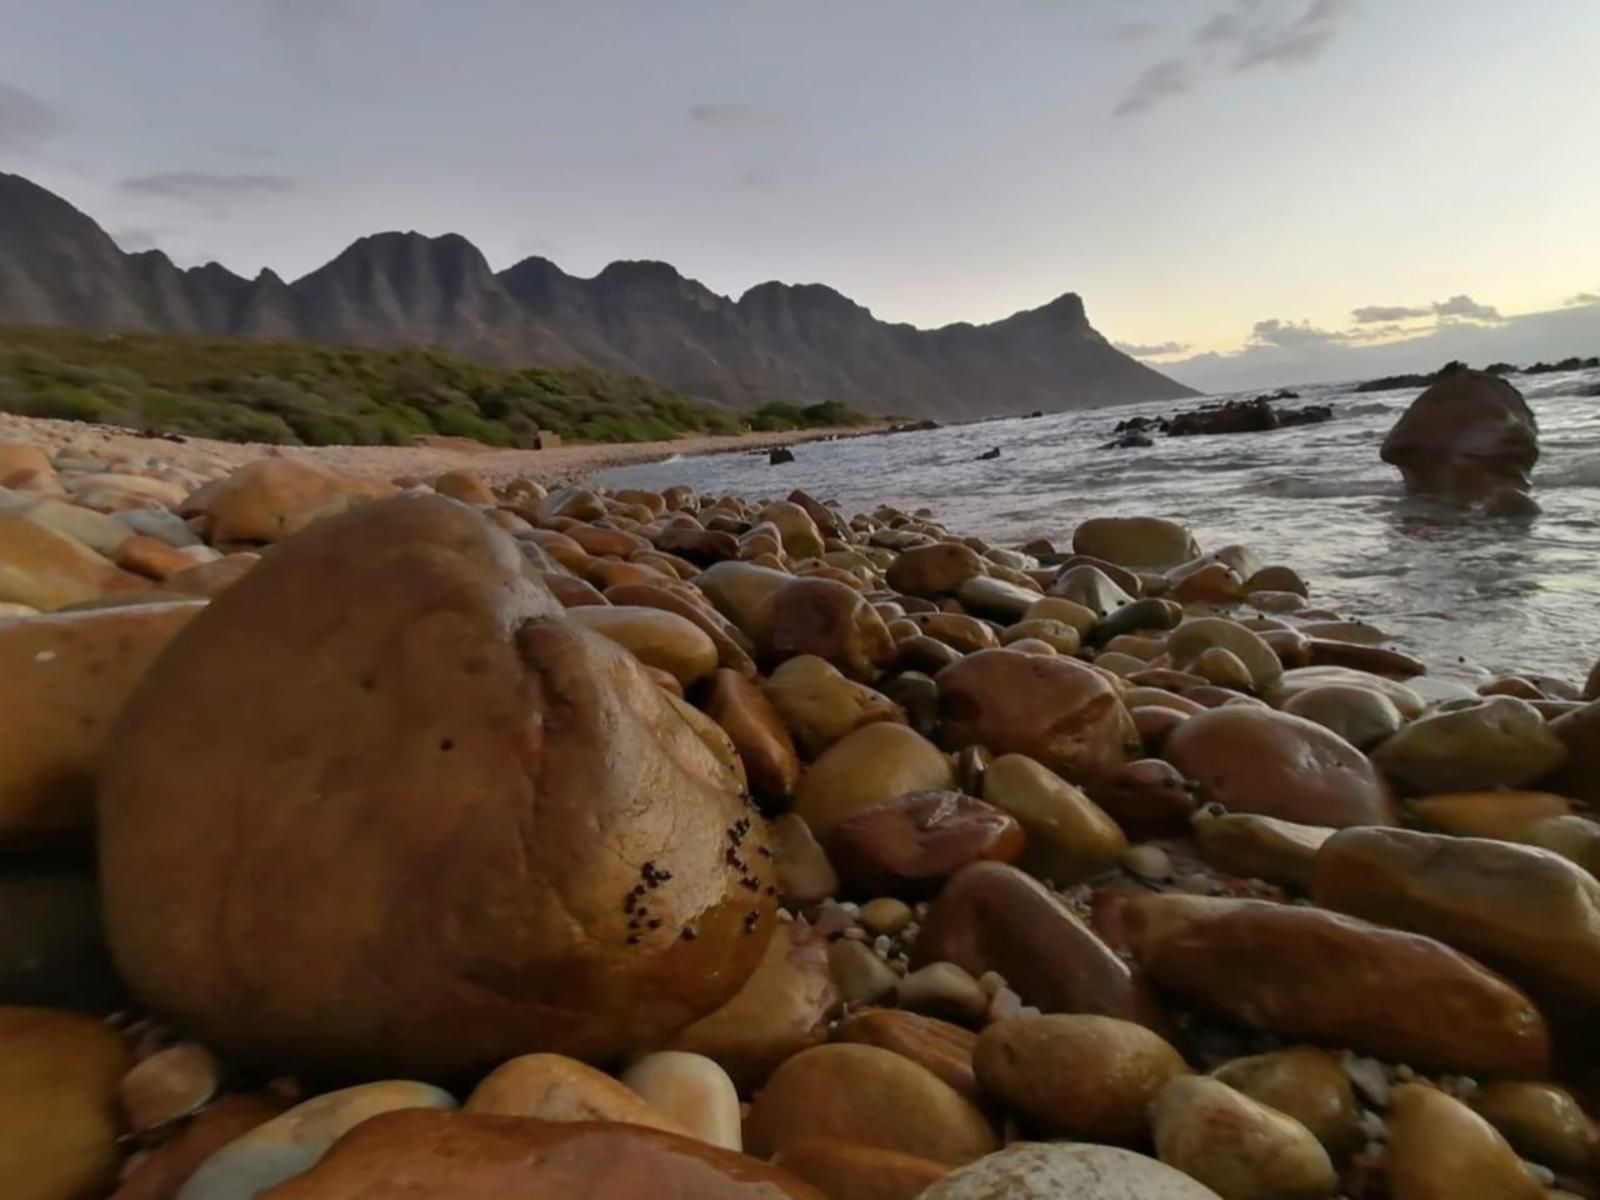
(1502,742)
(1304,972)
(58,1104)
(523,826)
(1439,1149)
(1467,435)
(1057,711)
(1081,1077)
(1057,1171)
(1255,760)
(1526,912)
(460,1156)
(1238,1147)
(1149,542)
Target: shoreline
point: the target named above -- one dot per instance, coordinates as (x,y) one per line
(559,466)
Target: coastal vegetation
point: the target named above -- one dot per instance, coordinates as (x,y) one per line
(300,393)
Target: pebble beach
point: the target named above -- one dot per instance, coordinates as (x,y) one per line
(466,828)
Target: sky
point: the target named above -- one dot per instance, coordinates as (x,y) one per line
(1244,192)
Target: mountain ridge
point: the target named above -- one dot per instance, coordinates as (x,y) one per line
(801,343)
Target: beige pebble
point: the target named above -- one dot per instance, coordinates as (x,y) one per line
(886,915)
(171,1083)
(691,1090)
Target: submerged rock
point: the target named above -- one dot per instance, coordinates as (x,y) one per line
(1468,435)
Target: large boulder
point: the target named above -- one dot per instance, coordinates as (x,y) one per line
(382,808)
(1055,1171)
(272,498)
(1466,436)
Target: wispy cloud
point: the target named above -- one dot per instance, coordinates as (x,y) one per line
(1373,313)
(252,150)
(758,180)
(26,122)
(1466,308)
(1240,36)
(1150,349)
(1583,298)
(1160,81)
(205,189)
(735,118)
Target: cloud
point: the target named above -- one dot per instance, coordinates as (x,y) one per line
(1457,308)
(1466,308)
(1292,334)
(204,189)
(1302,41)
(1374,313)
(25,120)
(735,118)
(1239,36)
(253,150)
(1150,349)
(758,180)
(134,239)
(1583,298)
(1160,81)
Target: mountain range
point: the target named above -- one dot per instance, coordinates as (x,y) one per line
(778,342)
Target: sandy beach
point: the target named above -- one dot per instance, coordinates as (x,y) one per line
(432,456)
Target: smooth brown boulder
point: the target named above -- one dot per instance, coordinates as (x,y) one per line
(1439,1149)
(935,570)
(1057,711)
(846,1171)
(1147,797)
(1255,760)
(655,637)
(1069,837)
(874,763)
(1502,815)
(1088,1078)
(1306,1083)
(909,845)
(422,1155)
(58,1104)
(1257,847)
(552,1087)
(991,917)
(1304,972)
(1467,435)
(734,650)
(1240,1148)
(832,621)
(1502,742)
(47,570)
(859,1093)
(758,732)
(1135,541)
(820,706)
(1524,911)
(271,498)
(536,847)
(64,677)
(1543,1121)
(783,1008)
(941,1047)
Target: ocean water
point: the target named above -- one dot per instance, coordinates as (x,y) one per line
(1469,594)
